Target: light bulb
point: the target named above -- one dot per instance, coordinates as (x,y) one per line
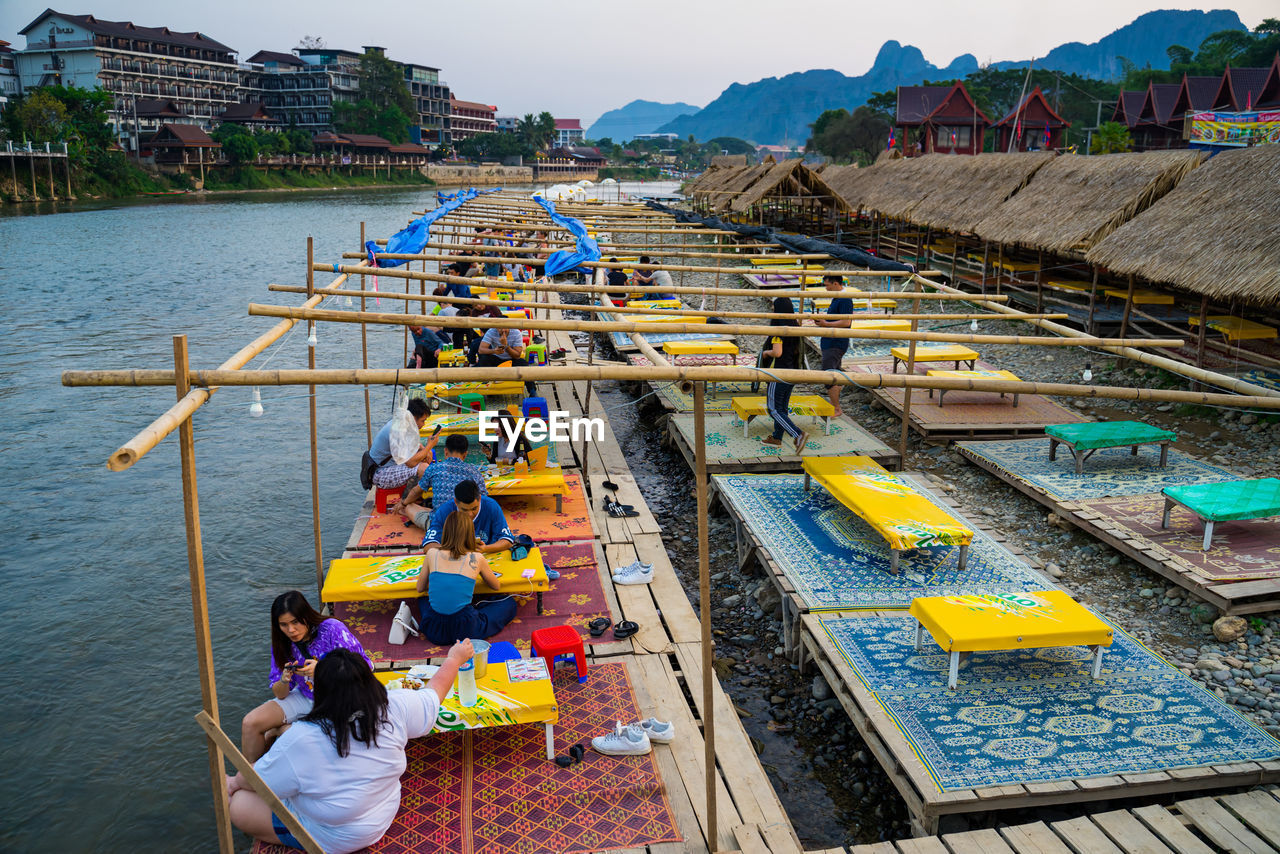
(255,406)
(1088,372)
(311,339)
(973,325)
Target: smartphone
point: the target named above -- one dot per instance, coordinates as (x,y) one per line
(436,432)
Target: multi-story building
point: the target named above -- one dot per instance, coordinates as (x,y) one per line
(299,91)
(9,87)
(431,98)
(469,118)
(199,75)
(569,133)
(507,124)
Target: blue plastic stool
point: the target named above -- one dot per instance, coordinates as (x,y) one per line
(503,651)
(534,406)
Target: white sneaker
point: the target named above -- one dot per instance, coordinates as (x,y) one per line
(623,741)
(659,732)
(633,573)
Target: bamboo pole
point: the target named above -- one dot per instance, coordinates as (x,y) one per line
(154,433)
(1093,300)
(906,394)
(215,735)
(646,373)
(1171,365)
(1128,307)
(393,319)
(364,352)
(200,599)
(620,265)
(478,281)
(704,607)
(315,443)
(675,312)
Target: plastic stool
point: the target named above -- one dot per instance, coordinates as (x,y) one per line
(536,354)
(534,406)
(472,401)
(559,642)
(384,497)
(502,651)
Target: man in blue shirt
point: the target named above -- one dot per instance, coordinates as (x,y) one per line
(426,348)
(441,477)
(486,516)
(833,349)
(391,473)
(504,345)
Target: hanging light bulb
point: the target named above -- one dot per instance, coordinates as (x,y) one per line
(973,325)
(255,406)
(1087,376)
(311,338)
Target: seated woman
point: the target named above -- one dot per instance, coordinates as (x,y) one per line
(300,635)
(338,769)
(448,578)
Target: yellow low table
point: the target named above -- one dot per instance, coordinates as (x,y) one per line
(452,358)
(946,353)
(1141,297)
(781,260)
(822,303)
(812,405)
(663,318)
(362,579)
(438,390)
(904,517)
(883,325)
(1017,266)
(1006,621)
(1068,285)
(655,304)
(452,422)
(985,375)
(1236,328)
(700,348)
(505,480)
(501,700)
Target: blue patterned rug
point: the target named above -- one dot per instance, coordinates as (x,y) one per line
(836,562)
(1037,715)
(1266,379)
(1109,472)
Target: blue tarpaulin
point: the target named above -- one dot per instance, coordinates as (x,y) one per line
(411,239)
(562,259)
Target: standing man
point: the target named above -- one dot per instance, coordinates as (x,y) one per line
(833,349)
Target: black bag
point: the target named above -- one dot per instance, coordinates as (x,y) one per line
(367,467)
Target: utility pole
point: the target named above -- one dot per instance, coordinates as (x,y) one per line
(1088,140)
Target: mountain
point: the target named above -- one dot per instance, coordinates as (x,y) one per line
(779,110)
(637,117)
(1143,43)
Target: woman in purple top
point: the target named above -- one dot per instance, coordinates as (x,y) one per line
(300,636)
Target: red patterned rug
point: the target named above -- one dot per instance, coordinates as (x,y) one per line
(1242,550)
(493,791)
(534,515)
(575,599)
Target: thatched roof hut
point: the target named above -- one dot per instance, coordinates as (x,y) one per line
(973,187)
(712,180)
(721,197)
(729,160)
(706,179)
(1074,202)
(852,186)
(790,178)
(1213,234)
(904,183)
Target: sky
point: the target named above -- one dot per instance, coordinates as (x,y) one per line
(579,58)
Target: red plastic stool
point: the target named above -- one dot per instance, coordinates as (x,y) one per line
(559,642)
(383,498)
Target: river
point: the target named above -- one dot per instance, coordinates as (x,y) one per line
(98,676)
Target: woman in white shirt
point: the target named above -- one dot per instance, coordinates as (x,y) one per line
(338,768)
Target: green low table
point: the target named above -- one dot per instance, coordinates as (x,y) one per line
(1222,502)
(1085,438)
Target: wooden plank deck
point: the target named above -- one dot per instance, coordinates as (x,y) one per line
(1231,597)
(1244,822)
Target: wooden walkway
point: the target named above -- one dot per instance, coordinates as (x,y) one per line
(1243,823)
(1231,597)
(808,645)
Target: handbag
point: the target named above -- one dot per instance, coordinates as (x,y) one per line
(524,543)
(368,465)
(403,625)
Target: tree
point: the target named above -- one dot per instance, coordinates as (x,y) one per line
(493,145)
(39,118)
(385,108)
(731,145)
(240,149)
(844,136)
(536,132)
(310,43)
(1111,137)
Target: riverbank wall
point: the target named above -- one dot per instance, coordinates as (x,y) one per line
(485,174)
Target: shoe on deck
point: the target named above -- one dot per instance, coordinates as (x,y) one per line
(633,573)
(623,741)
(659,732)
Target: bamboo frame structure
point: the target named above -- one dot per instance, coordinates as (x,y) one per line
(608,265)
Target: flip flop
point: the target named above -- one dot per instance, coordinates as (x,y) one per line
(577,752)
(564,761)
(622,511)
(609,503)
(610,485)
(625,629)
(598,626)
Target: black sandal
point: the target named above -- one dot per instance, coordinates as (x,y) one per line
(598,626)
(609,485)
(625,629)
(577,752)
(621,511)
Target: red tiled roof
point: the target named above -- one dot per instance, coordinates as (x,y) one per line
(918,104)
(1128,107)
(1035,112)
(568,124)
(182,136)
(246,113)
(409,148)
(130,30)
(158,108)
(1157,104)
(328,137)
(265,56)
(472,105)
(366,140)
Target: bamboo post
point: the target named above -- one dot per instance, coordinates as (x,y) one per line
(31,162)
(955,251)
(716,298)
(53,191)
(1093,301)
(1039,282)
(1201,332)
(315,444)
(906,394)
(704,606)
(999,267)
(986,252)
(364,354)
(200,599)
(66,170)
(1128,307)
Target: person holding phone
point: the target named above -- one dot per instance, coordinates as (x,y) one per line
(300,636)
